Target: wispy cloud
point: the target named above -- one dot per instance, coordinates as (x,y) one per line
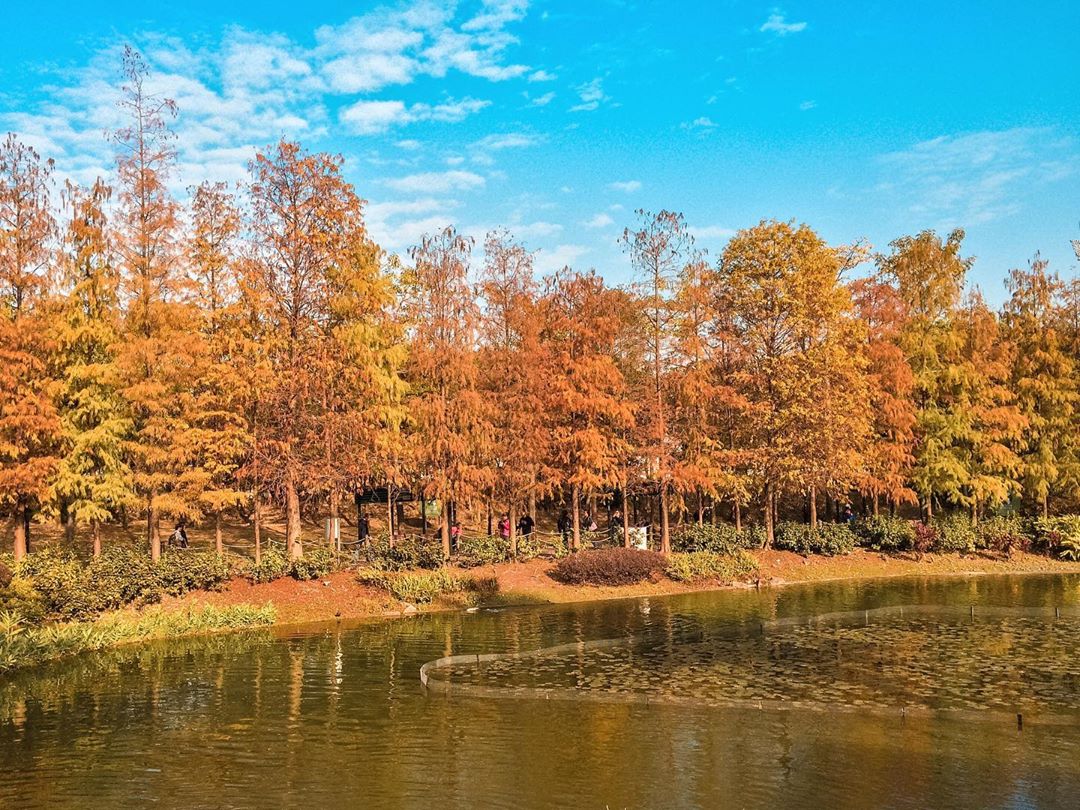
(807,105)
(551,261)
(437,182)
(591,94)
(373,117)
(507,140)
(542,76)
(600,220)
(703,123)
(977,177)
(777,24)
(626,186)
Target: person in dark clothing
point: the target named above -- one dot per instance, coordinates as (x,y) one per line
(525,525)
(565,525)
(363,529)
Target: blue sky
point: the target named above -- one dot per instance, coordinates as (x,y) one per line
(557,119)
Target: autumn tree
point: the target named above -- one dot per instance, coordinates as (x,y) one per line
(658,248)
(161,335)
(333,365)
(511,374)
(29,426)
(704,400)
(985,397)
(804,375)
(93,479)
(890,454)
(217,440)
(452,427)
(928,275)
(587,399)
(1044,380)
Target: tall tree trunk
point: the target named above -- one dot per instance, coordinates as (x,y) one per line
(389,516)
(1046,506)
(335,519)
(217,533)
(700,508)
(738,516)
(26,528)
(575,510)
(625,520)
(70,522)
(95,532)
(665,529)
(257,517)
(20,535)
(930,507)
(152,529)
(292,519)
(813,508)
(768,515)
(513,530)
(876,507)
(532,502)
(423,514)
(444,530)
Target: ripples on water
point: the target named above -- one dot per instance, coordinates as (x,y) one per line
(337,718)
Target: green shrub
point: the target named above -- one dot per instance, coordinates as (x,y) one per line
(1004,534)
(886,533)
(608,566)
(423,587)
(62,583)
(273,564)
(19,599)
(481,550)
(406,554)
(699,565)
(1059,536)
(955,533)
(183,570)
(529,547)
(720,539)
(316,563)
(830,539)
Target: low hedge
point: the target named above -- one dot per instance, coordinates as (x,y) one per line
(695,566)
(71,589)
(722,538)
(608,566)
(829,539)
(885,533)
(423,587)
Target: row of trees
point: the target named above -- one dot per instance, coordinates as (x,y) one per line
(255,344)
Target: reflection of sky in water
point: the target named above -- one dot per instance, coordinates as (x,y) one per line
(941,659)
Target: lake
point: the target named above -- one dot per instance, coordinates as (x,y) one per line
(900,693)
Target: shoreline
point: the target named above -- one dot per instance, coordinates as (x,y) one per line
(340,597)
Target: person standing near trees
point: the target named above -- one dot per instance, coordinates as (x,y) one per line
(525,525)
(504,527)
(564,526)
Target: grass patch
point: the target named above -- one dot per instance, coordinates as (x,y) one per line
(23,646)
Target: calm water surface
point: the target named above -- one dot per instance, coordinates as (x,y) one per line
(336,717)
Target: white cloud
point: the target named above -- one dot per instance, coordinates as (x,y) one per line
(977,177)
(372,117)
(626,186)
(544,100)
(409,143)
(437,182)
(807,105)
(710,232)
(778,24)
(509,140)
(702,123)
(365,72)
(591,94)
(542,76)
(551,261)
(600,220)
